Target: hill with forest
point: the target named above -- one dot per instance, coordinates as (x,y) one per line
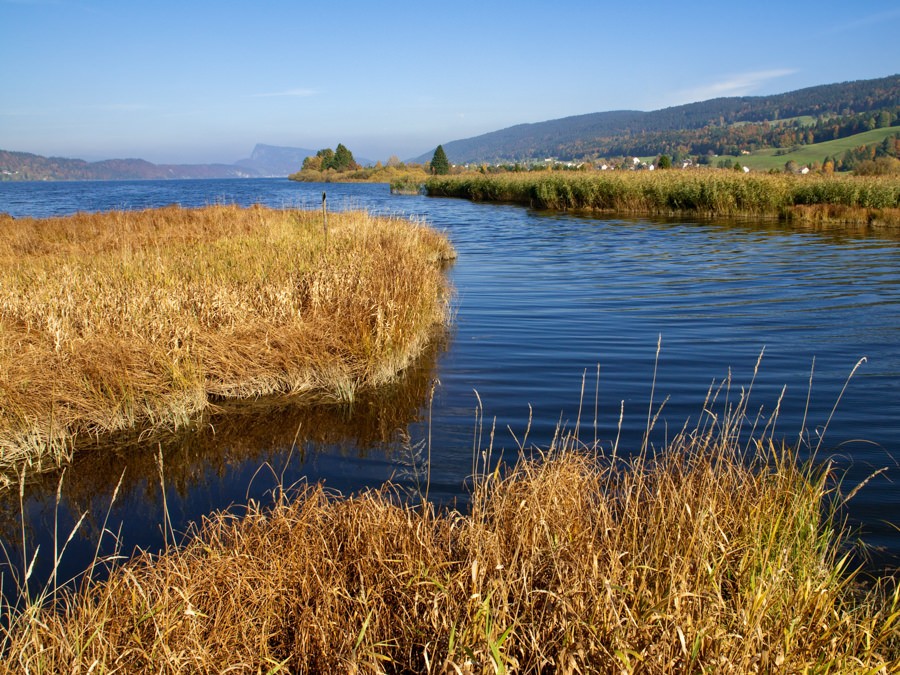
(721,126)
(264,161)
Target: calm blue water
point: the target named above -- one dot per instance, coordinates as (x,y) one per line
(543,298)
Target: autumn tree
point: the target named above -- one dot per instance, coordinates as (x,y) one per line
(340,159)
(326,158)
(312,163)
(440,165)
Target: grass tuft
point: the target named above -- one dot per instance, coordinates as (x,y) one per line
(702,556)
(125,320)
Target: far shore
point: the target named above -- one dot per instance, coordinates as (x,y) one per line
(835,199)
(849,200)
(413,173)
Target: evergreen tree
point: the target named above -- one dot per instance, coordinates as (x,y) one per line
(326,157)
(440,165)
(343,159)
(339,159)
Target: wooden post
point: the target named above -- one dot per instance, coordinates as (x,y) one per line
(325,220)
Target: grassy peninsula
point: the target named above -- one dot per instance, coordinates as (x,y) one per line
(412,174)
(127,320)
(338,166)
(846,199)
(705,556)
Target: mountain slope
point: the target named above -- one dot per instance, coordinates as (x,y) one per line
(266,160)
(273,160)
(597,133)
(27,166)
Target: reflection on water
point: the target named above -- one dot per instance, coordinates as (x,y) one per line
(240,450)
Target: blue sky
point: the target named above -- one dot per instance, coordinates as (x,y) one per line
(199,81)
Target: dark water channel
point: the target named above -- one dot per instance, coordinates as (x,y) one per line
(543,298)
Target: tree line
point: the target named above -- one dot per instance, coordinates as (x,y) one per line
(340,159)
(729,140)
(873,159)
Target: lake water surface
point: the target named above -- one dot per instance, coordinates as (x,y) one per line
(543,298)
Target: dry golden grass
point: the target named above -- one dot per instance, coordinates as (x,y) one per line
(228,435)
(702,557)
(139,319)
(412,174)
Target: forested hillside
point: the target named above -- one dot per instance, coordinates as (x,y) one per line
(719,126)
(27,166)
(266,160)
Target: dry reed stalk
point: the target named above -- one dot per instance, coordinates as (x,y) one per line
(703,192)
(699,557)
(830,213)
(138,319)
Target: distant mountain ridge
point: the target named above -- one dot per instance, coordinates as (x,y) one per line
(602,133)
(264,161)
(273,160)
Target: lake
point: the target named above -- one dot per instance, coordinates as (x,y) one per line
(544,301)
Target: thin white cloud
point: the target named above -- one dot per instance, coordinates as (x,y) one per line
(121,107)
(288,92)
(864,21)
(742,84)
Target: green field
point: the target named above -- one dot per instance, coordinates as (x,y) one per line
(804,120)
(763,160)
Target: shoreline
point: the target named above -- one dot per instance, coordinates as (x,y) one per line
(868,201)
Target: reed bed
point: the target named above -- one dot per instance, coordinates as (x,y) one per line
(705,556)
(142,320)
(412,174)
(872,200)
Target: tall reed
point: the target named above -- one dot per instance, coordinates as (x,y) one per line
(709,555)
(708,193)
(141,319)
